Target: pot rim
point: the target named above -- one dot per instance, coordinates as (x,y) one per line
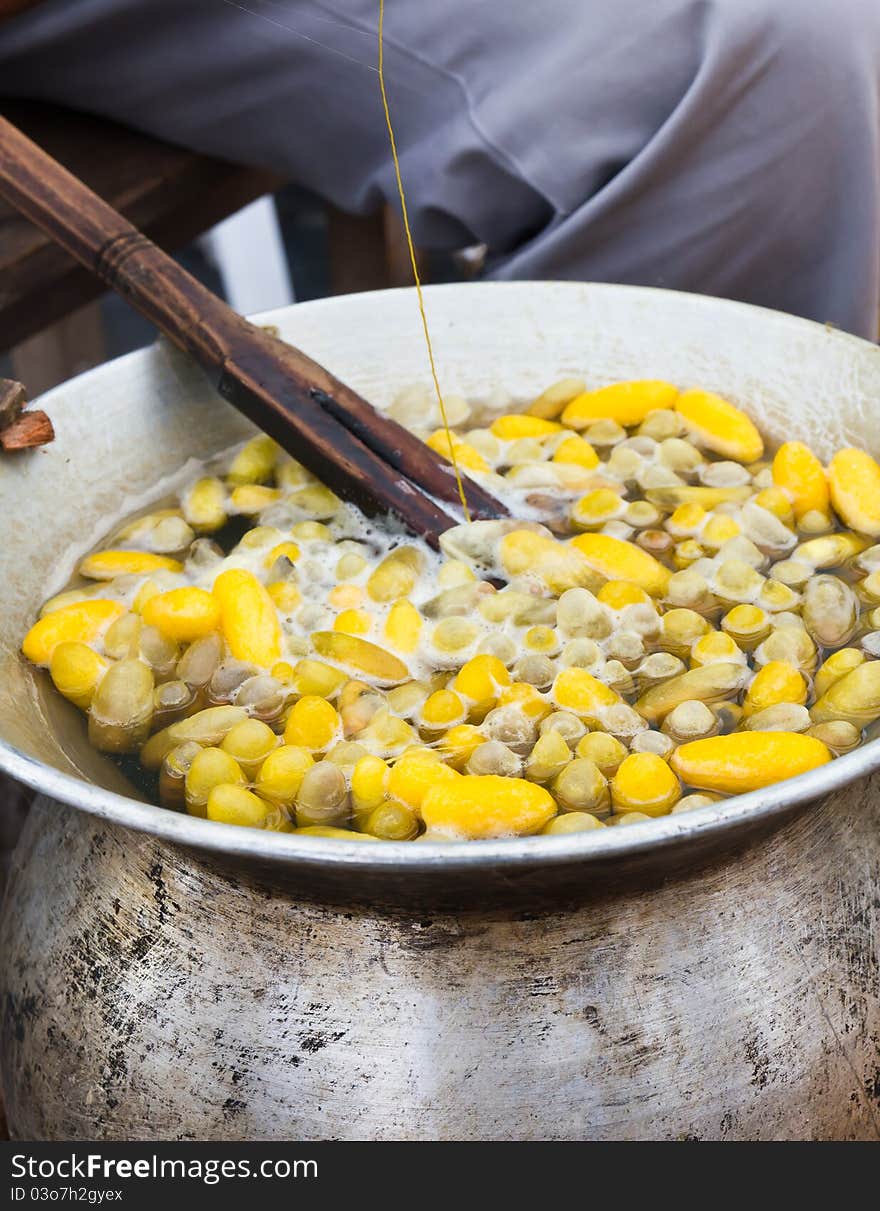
(600,846)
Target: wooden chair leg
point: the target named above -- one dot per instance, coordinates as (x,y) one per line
(397,260)
(74,344)
(356,252)
(367,252)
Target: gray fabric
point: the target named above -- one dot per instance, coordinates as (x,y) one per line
(724,146)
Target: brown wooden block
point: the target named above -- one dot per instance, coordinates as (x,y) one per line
(31,429)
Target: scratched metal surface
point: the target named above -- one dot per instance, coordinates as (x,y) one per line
(711,974)
(148,996)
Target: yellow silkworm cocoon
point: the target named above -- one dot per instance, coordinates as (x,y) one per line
(482,806)
(746,761)
(248,617)
(644,783)
(386,735)
(708,683)
(836,666)
(548,757)
(415,774)
(204,505)
(550,403)
(829,550)
(576,450)
(716,647)
(396,575)
(580,692)
(231,804)
(76,671)
(798,472)
(778,681)
(615,559)
(282,772)
(747,624)
(291,474)
(840,735)
(466,455)
(313,724)
(346,597)
(282,550)
(708,498)
(598,507)
(558,565)
(249,743)
(454,635)
(605,751)
(519,425)
(282,671)
(527,699)
(349,565)
(147,590)
(106,565)
(720,426)
(313,677)
(459,743)
(775,597)
(316,500)
(454,573)
(541,639)
(687,520)
(441,710)
(211,767)
(718,530)
(481,679)
(686,553)
(855,697)
(311,531)
(353,652)
(392,820)
(252,498)
(854,479)
(581,786)
(775,501)
(571,822)
(60,600)
(254,462)
(285,595)
(618,594)
(184,614)
(260,536)
(81,622)
(369,784)
(354,622)
(403,626)
(626,403)
(206,727)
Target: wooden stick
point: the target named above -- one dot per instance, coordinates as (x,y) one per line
(333,431)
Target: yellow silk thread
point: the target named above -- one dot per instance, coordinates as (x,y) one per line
(412,256)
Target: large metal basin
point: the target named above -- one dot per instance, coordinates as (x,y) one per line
(712,974)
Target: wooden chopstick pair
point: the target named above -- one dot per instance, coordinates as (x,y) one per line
(363,456)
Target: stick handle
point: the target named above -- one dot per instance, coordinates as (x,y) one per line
(284,389)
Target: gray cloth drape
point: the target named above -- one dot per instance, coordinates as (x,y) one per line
(730,147)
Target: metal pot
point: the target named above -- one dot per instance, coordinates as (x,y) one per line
(712,974)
